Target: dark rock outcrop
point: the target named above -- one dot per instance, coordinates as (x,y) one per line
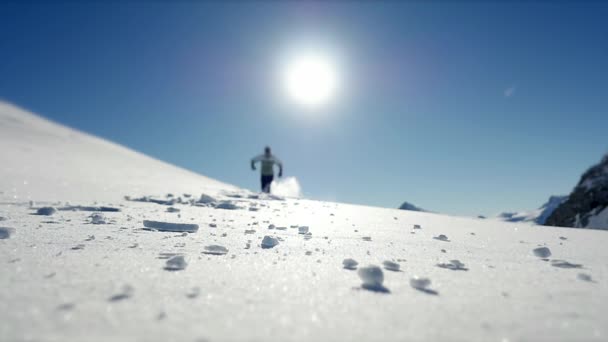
(588,199)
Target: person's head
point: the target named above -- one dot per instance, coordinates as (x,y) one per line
(267,150)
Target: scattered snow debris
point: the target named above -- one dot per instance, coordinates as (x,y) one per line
(271,226)
(585,277)
(350,264)
(50,275)
(303,230)
(127,292)
(441,237)
(563,238)
(212,225)
(97,219)
(391,266)
(187,195)
(173,210)
(224,234)
(165,255)
(227,205)
(542,252)
(176,263)
(2,218)
(422,284)
(454,265)
(151,200)
(215,250)
(6,232)
(47,211)
(372,278)
(308,236)
(269,242)
(308,253)
(194,292)
(367,238)
(87,208)
(564,264)
(417,226)
(248,245)
(171,227)
(135,245)
(281,228)
(443,251)
(472,233)
(90,238)
(249,231)
(293,226)
(254,208)
(77,247)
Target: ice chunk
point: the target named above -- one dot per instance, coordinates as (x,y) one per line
(48,211)
(6,233)
(391,266)
(269,242)
(542,252)
(215,250)
(171,227)
(176,263)
(350,264)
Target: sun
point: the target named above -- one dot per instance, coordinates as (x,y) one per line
(310,80)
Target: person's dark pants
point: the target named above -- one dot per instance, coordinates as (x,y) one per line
(266,180)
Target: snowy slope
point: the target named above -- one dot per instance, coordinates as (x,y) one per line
(80,275)
(44,161)
(537,216)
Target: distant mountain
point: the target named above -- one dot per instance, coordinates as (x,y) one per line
(537,216)
(409,206)
(587,205)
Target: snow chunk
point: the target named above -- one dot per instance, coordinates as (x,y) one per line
(227,205)
(422,284)
(215,250)
(269,242)
(97,219)
(391,266)
(454,265)
(542,252)
(441,237)
(176,263)
(372,278)
(303,230)
(171,227)
(6,233)
(564,264)
(47,211)
(206,199)
(350,264)
(173,210)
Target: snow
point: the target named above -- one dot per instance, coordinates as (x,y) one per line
(170,226)
(599,219)
(60,284)
(537,216)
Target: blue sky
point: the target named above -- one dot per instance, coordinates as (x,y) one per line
(461,108)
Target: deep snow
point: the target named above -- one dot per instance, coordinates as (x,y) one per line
(64,278)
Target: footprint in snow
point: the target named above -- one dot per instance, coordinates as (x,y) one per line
(454,265)
(215,250)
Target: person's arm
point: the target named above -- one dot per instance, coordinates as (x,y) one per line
(280,164)
(253,160)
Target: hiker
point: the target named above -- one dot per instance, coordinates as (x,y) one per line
(268,161)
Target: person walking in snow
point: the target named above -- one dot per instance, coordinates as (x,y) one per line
(268,160)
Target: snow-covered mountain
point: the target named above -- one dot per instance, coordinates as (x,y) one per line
(537,216)
(587,205)
(409,206)
(187,258)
